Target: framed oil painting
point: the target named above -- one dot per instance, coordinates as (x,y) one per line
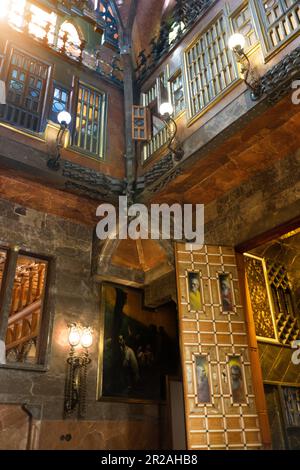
(194,291)
(138,346)
(237,384)
(226,292)
(203,394)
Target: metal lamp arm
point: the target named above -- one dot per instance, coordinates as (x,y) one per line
(256,87)
(177,152)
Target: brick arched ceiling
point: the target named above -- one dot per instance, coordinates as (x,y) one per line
(144,16)
(147,22)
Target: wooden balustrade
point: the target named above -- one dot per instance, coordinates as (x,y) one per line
(24,319)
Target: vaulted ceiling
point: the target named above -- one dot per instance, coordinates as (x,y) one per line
(143,17)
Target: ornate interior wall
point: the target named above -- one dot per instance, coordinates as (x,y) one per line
(214,344)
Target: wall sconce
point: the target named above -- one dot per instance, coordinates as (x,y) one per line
(64,119)
(166,111)
(75,389)
(237,43)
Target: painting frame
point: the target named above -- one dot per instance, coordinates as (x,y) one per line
(237,360)
(197,275)
(101,393)
(204,363)
(227,302)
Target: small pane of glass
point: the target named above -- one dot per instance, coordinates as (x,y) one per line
(60,102)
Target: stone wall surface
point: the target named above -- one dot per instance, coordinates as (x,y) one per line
(75,297)
(265,201)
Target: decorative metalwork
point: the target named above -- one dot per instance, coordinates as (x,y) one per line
(89,126)
(210,67)
(281,18)
(105,13)
(184,16)
(77,364)
(40,25)
(275,85)
(99,183)
(272,300)
(276,82)
(75,389)
(26,85)
(286,320)
(260,302)
(250,75)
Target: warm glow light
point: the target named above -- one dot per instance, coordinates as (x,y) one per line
(74,335)
(86,338)
(13,11)
(73,42)
(166,108)
(64,117)
(236,41)
(39,20)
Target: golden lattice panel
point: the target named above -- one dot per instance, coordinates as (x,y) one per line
(220,403)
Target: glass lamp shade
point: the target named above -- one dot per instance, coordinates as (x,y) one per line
(86,338)
(64,118)
(166,108)
(74,335)
(236,41)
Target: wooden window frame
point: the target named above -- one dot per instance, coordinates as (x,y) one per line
(268,50)
(58,85)
(172,80)
(102,129)
(195,112)
(13,252)
(5,67)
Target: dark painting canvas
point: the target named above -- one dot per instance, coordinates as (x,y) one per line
(138,346)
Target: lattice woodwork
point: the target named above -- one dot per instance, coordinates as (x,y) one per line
(90,121)
(141,122)
(285,312)
(281,20)
(210,66)
(228,419)
(243,23)
(26,85)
